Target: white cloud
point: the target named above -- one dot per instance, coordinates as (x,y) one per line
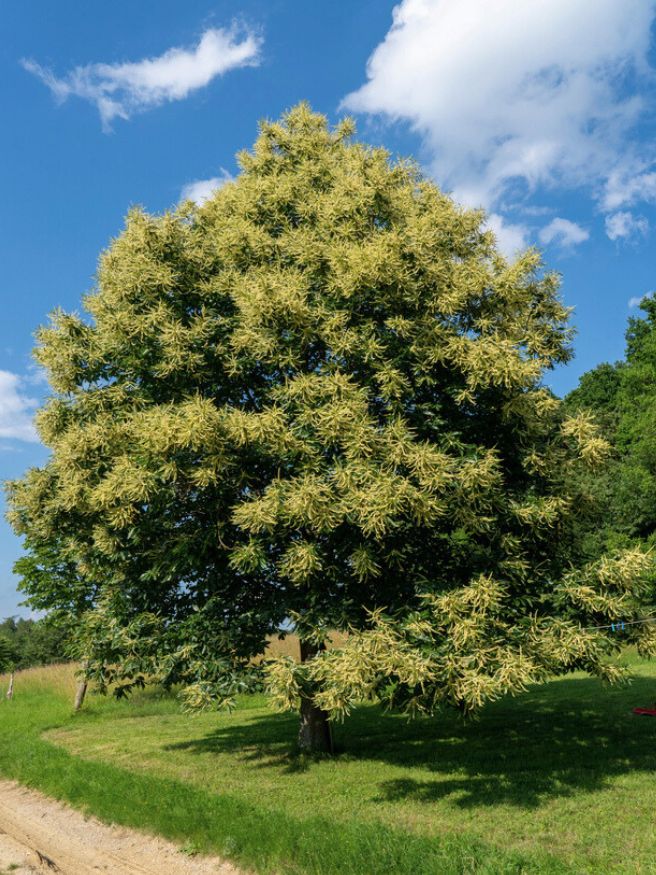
(627,186)
(16,409)
(534,210)
(202,189)
(567,234)
(624,224)
(511,239)
(524,92)
(635,302)
(120,90)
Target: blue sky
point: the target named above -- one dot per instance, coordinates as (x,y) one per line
(542,112)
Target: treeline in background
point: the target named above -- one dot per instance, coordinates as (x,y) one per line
(28,643)
(622,396)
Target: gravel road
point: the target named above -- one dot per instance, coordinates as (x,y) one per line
(38,834)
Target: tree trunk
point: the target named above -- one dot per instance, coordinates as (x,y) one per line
(81,690)
(315,733)
(80,693)
(10,689)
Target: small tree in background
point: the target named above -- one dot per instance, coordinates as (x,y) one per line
(8,660)
(49,576)
(318,398)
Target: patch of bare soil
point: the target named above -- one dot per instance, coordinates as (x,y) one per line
(16,858)
(38,834)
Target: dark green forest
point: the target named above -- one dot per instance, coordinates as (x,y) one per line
(622,396)
(26,643)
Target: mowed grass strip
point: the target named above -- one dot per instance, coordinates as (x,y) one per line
(261,839)
(558,780)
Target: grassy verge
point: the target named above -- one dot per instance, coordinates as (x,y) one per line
(565,768)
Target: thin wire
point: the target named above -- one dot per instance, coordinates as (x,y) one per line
(620,624)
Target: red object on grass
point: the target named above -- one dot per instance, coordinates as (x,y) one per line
(645,712)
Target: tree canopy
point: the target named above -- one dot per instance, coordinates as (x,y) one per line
(622,396)
(316,402)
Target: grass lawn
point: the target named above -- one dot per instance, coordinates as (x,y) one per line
(561,779)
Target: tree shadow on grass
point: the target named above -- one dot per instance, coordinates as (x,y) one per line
(565,737)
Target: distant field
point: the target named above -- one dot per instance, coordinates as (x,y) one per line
(289,646)
(561,779)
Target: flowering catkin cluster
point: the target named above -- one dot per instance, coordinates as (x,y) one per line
(319,396)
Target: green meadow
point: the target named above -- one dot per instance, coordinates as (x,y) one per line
(557,780)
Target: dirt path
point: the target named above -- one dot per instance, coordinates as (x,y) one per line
(38,834)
